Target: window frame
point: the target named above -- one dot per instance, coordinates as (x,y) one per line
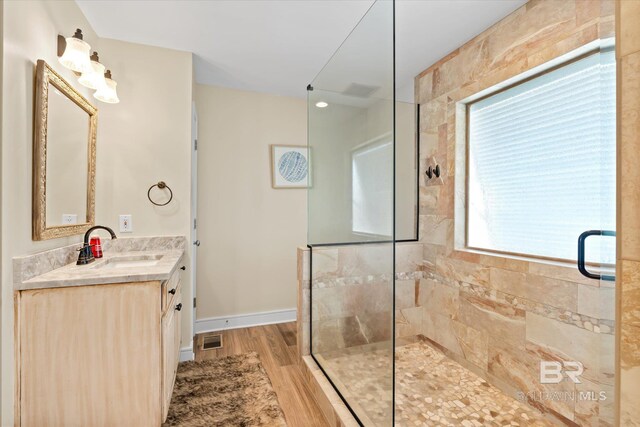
(467,148)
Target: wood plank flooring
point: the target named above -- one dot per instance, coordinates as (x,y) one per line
(276,345)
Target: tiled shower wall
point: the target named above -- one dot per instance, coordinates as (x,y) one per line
(503,315)
(353,295)
(628,55)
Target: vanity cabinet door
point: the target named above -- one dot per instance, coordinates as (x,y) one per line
(88,356)
(171,324)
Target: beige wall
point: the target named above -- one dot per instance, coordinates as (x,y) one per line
(23,45)
(335,133)
(249,231)
(143,139)
(1,192)
(405,173)
(628,53)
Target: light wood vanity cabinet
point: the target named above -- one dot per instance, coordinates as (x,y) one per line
(97,355)
(171,324)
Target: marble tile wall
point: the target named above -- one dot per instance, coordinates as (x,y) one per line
(628,60)
(303,312)
(353,296)
(504,315)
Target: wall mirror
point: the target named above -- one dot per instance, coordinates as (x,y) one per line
(64,157)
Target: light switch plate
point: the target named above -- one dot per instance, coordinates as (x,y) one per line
(126,224)
(68,219)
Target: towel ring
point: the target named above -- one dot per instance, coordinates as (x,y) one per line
(161,185)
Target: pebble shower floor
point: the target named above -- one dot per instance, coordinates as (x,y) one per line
(431,390)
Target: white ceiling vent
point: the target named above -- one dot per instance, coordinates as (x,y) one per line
(360,91)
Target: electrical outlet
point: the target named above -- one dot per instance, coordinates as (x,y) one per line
(68,219)
(126,224)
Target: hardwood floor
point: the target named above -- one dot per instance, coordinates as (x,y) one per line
(276,345)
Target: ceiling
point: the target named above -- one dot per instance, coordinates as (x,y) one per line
(279,46)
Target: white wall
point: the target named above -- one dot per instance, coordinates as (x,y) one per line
(143,139)
(249,231)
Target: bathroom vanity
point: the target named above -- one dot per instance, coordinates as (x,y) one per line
(98,344)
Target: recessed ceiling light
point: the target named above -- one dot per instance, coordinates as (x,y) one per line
(321,104)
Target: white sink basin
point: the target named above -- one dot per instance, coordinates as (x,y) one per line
(131,261)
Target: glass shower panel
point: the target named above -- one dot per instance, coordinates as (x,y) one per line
(606,284)
(351,217)
(597,245)
(406,173)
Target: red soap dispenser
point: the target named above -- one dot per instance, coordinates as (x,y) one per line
(96,247)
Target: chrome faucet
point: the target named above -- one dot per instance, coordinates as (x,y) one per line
(86,255)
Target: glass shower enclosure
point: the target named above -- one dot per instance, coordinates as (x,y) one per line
(409,321)
(351,217)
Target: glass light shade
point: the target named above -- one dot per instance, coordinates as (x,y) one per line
(107,92)
(93,79)
(76,55)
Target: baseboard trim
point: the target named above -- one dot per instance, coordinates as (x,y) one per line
(186,353)
(213,324)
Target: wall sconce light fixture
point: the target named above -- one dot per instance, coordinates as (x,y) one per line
(107,92)
(73,53)
(93,79)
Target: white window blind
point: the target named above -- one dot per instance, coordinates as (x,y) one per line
(372,189)
(542,163)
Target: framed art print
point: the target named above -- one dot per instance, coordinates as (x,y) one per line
(289,166)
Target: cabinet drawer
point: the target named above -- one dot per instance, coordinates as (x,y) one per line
(170,289)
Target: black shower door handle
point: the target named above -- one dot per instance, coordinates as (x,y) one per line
(581,262)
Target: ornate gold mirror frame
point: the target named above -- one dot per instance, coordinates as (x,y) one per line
(40,231)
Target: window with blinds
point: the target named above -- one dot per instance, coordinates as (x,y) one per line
(372,189)
(541,165)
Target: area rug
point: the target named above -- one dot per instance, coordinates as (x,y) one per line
(230,391)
